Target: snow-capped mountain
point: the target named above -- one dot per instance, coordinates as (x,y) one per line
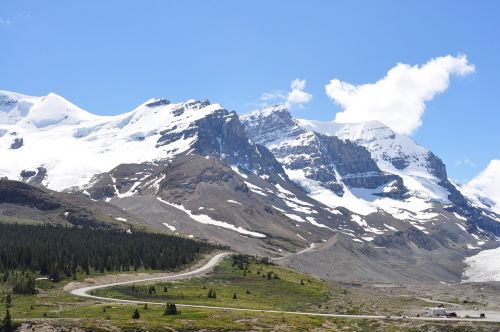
(359,195)
(378,169)
(66,146)
(421,171)
(484,189)
(133,157)
(370,168)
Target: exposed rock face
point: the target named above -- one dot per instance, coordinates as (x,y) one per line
(327,159)
(360,199)
(437,167)
(221,134)
(159,102)
(17,143)
(34,177)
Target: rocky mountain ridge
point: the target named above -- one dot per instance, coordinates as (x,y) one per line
(263,183)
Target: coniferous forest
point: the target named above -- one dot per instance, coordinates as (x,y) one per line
(58,252)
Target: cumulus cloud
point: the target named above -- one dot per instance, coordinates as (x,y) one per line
(298,96)
(398,99)
(488,183)
(295,97)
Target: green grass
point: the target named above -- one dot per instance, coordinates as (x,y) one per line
(282,293)
(59,308)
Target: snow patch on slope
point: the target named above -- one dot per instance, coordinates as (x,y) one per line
(73,145)
(207,220)
(484,266)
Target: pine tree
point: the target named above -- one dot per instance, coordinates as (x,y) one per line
(7,323)
(234,296)
(170,309)
(62,252)
(136,314)
(212,294)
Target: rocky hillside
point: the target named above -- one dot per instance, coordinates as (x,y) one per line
(357,201)
(23,203)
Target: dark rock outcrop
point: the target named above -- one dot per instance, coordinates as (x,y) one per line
(327,159)
(17,143)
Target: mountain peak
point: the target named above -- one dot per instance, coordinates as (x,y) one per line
(13,96)
(40,112)
(279,110)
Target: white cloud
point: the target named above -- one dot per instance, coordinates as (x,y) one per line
(273,95)
(295,97)
(298,96)
(466,162)
(398,99)
(4,21)
(488,183)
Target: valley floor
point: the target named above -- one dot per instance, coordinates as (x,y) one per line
(251,295)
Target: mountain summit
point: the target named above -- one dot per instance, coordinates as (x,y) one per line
(319,195)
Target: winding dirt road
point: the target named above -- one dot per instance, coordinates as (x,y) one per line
(85,292)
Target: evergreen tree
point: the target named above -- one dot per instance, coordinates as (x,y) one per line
(7,323)
(136,314)
(170,309)
(234,296)
(8,300)
(60,252)
(23,283)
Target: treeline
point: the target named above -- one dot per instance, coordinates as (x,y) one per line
(242,261)
(58,252)
(23,282)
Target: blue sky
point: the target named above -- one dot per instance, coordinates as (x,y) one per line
(110,56)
